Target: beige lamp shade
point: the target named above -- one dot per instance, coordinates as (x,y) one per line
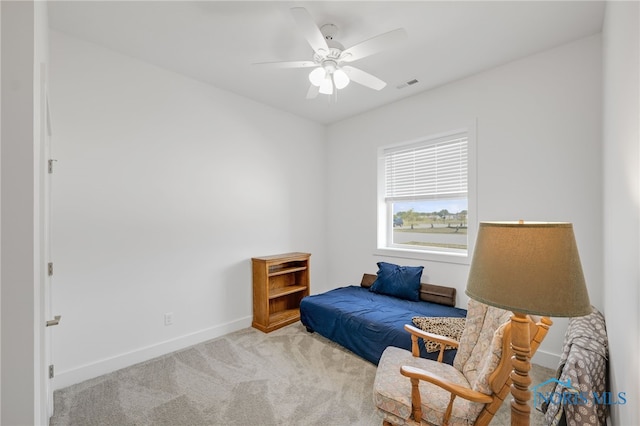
(530,268)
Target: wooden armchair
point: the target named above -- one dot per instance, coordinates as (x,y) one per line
(409,390)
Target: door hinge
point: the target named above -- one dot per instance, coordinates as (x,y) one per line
(50,167)
(50,269)
(51,371)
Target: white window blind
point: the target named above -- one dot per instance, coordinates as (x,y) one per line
(429,170)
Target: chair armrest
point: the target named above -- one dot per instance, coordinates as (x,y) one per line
(416,333)
(461,391)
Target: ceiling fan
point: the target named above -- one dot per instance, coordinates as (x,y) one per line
(330,59)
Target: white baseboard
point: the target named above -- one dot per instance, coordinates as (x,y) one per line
(70,377)
(546,359)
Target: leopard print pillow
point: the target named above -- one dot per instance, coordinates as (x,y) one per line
(444,326)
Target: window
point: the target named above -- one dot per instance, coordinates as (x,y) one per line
(424,196)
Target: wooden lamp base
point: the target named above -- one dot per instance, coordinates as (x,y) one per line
(520,343)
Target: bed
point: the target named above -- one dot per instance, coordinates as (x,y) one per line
(366,322)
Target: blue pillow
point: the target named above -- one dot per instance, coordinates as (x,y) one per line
(402,282)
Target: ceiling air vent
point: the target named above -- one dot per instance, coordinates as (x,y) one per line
(406,84)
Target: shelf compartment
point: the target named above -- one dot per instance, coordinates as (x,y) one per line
(284,317)
(275,272)
(283,291)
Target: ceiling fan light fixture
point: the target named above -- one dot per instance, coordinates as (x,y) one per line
(326,88)
(317,76)
(340,78)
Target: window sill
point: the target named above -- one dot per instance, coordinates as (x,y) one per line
(433,256)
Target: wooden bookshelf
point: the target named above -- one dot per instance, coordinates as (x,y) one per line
(279,283)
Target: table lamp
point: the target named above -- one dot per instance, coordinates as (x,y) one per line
(527,268)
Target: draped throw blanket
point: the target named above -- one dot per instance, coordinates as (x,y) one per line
(583,373)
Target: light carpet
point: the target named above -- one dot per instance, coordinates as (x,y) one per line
(287,377)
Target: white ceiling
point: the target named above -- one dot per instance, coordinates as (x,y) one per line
(218,42)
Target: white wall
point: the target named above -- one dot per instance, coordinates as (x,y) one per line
(164,189)
(621,134)
(538,134)
(24,49)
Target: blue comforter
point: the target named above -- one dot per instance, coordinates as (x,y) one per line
(366,322)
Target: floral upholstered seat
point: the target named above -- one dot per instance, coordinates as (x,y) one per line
(479,375)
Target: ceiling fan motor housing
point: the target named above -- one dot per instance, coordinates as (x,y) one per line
(333,55)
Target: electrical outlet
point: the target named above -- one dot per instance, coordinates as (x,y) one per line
(168,318)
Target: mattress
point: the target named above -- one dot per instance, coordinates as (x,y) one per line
(366,323)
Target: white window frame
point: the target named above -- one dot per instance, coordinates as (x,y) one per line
(385,215)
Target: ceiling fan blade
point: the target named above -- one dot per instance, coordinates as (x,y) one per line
(374,45)
(313,92)
(309,29)
(287,64)
(364,78)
